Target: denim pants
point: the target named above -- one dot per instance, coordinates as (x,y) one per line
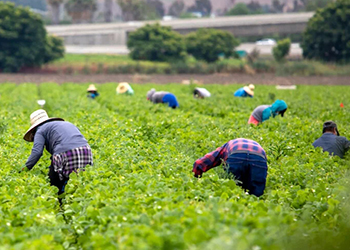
(55,180)
(250,170)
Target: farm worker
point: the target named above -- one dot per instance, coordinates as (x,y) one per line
(244,158)
(92,91)
(330,140)
(264,112)
(162,97)
(201,93)
(245,91)
(69,149)
(124,88)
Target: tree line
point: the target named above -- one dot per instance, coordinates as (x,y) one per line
(82,11)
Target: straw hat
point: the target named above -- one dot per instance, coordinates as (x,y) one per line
(37,118)
(123,87)
(91,88)
(249,89)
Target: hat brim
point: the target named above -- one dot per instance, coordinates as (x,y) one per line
(122,90)
(27,136)
(248,91)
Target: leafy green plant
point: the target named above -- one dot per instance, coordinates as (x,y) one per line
(156,43)
(281,50)
(209,44)
(23,40)
(326,36)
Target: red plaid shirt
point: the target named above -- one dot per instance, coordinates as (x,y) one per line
(216,157)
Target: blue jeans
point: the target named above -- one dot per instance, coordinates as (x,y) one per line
(250,170)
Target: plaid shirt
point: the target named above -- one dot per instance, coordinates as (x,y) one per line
(216,157)
(72,160)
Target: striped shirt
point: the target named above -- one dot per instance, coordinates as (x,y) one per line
(216,157)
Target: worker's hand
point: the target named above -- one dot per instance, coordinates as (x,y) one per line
(23,169)
(198,172)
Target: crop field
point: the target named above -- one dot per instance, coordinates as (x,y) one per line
(141,193)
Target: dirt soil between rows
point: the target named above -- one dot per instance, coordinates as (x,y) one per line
(265,79)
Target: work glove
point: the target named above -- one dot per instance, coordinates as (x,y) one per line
(23,168)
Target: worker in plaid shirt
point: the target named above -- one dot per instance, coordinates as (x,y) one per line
(244,158)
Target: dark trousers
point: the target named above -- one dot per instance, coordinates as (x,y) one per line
(250,170)
(55,180)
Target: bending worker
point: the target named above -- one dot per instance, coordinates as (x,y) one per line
(331,141)
(201,93)
(92,91)
(245,91)
(124,88)
(244,158)
(69,149)
(162,97)
(264,112)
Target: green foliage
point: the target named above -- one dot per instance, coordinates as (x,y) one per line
(35,4)
(327,35)
(202,6)
(80,5)
(54,49)
(208,44)
(238,10)
(156,43)
(176,8)
(141,10)
(141,194)
(281,50)
(23,39)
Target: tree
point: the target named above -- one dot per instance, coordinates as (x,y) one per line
(202,6)
(24,41)
(108,11)
(312,5)
(55,10)
(156,43)
(156,6)
(208,44)
(238,10)
(281,50)
(81,10)
(327,35)
(277,6)
(255,7)
(137,10)
(177,8)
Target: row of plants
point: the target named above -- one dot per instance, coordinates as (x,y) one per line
(141,193)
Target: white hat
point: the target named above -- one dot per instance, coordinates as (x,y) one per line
(203,92)
(249,89)
(37,118)
(91,88)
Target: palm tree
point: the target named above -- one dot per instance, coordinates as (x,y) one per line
(108,11)
(55,10)
(81,11)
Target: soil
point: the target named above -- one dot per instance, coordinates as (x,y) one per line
(266,79)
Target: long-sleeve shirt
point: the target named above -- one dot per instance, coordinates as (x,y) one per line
(241,93)
(258,112)
(334,145)
(56,137)
(216,157)
(157,97)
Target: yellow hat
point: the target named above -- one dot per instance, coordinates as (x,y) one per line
(122,87)
(91,88)
(37,118)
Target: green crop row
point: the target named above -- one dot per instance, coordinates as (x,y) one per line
(141,194)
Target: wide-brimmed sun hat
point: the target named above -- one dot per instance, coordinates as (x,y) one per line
(91,88)
(122,87)
(249,89)
(37,118)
